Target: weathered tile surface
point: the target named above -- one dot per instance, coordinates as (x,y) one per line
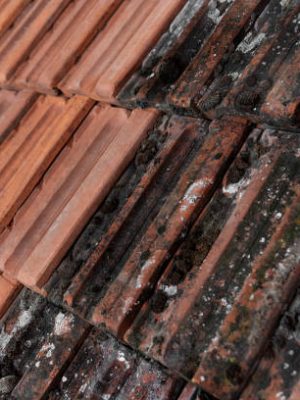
(70,192)
(27,152)
(235,58)
(220,297)
(102,277)
(37,340)
(105,369)
(278,374)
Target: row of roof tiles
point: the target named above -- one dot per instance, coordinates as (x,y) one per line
(49,353)
(178,257)
(202,57)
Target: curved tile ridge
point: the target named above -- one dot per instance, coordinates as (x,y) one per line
(119,49)
(13,105)
(26,152)
(70,192)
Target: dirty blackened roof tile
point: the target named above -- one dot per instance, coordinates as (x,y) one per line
(107,285)
(37,340)
(28,150)
(103,368)
(120,47)
(30,25)
(70,192)
(129,208)
(62,46)
(278,375)
(13,105)
(235,57)
(239,265)
(46,352)
(8,291)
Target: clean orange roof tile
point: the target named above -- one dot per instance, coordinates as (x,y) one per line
(28,151)
(60,48)
(21,37)
(13,105)
(120,48)
(70,192)
(8,290)
(9,11)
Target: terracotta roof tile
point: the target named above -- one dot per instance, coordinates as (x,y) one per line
(277,376)
(53,354)
(8,291)
(165,244)
(50,218)
(9,11)
(61,46)
(238,268)
(120,48)
(104,368)
(37,341)
(153,219)
(228,58)
(27,152)
(35,20)
(13,105)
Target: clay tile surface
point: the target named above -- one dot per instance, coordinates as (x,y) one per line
(35,19)
(47,352)
(9,11)
(37,341)
(112,268)
(277,376)
(13,105)
(103,368)
(70,191)
(236,270)
(28,150)
(60,47)
(120,47)
(8,291)
(231,57)
(149,200)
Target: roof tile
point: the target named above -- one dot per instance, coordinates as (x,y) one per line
(154,218)
(13,105)
(120,48)
(8,291)
(228,58)
(27,152)
(61,46)
(53,354)
(50,220)
(35,20)
(37,340)
(103,368)
(277,376)
(210,305)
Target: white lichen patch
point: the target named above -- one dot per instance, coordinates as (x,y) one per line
(63,324)
(122,358)
(194,193)
(22,321)
(170,290)
(233,188)
(250,43)
(147,264)
(47,349)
